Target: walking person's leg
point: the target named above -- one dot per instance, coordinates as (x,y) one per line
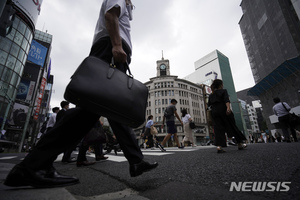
(220,138)
(130,148)
(166,138)
(176,140)
(37,167)
(284,122)
(81,158)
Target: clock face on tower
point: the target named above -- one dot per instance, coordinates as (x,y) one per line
(163,67)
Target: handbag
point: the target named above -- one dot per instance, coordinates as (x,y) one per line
(103,89)
(192,125)
(153,130)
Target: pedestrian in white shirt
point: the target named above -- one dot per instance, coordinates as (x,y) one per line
(52,118)
(188,132)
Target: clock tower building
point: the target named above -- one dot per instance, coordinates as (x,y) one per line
(163,67)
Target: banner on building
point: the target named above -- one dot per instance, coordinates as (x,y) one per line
(37,53)
(19,114)
(40,97)
(25,90)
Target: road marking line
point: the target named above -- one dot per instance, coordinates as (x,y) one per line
(8,157)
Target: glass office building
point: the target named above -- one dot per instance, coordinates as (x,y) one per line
(14,49)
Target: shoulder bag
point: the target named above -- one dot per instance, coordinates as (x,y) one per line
(192,125)
(153,130)
(293,118)
(103,89)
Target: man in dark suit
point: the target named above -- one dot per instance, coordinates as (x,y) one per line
(64,107)
(67,153)
(111,40)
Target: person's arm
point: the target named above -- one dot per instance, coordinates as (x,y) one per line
(227,102)
(163,123)
(152,124)
(274,111)
(190,118)
(112,25)
(228,110)
(176,114)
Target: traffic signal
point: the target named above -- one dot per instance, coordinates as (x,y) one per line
(6,20)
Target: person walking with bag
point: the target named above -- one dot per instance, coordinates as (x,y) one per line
(282,111)
(169,117)
(223,118)
(148,133)
(188,132)
(111,40)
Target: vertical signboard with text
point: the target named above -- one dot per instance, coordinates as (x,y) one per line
(40,97)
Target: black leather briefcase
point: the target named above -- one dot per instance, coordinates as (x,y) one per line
(103,89)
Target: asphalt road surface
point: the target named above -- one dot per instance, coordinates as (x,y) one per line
(191,173)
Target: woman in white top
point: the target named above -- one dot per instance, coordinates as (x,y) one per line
(188,132)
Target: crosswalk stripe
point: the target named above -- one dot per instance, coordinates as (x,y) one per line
(114,158)
(120,157)
(8,157)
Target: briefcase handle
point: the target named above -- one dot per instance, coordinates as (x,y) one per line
(112,64)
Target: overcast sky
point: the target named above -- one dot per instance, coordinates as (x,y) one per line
(185,30)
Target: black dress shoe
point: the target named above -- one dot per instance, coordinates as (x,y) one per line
(84,163)
(141,167)
(22,176)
